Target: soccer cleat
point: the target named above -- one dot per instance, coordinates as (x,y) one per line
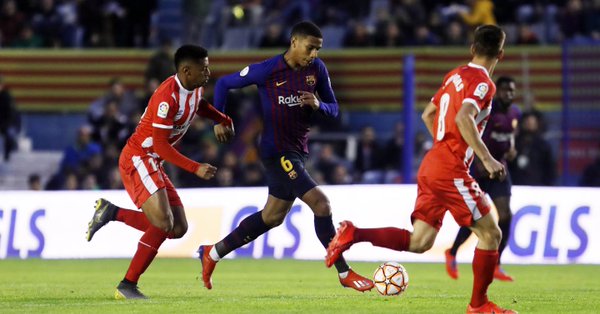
(488,308)
(343,239)
(451,267)
(126,290)
(356,282)
(105,212)
(501,275)
(208,265)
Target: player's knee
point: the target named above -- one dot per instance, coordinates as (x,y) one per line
(421,245)
(504,217)
(491,237)
(179,231)
(274,220)
(322,207)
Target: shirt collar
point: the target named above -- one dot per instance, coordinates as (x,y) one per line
(473,65)
(181,86)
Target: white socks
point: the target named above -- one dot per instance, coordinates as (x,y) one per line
(214,255)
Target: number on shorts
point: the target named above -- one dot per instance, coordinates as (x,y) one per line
(286,164)
(441,127)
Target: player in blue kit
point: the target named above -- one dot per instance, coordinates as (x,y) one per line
(288,85)
(499,137)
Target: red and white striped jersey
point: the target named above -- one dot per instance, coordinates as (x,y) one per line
(466,84)
(171,107)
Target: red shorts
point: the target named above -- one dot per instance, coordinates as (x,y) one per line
(142,176)
(461,196)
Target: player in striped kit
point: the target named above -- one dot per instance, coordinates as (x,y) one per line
(455,117)
(288,85)
(499,137)
(170,111)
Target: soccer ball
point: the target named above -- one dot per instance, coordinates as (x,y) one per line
(390,279)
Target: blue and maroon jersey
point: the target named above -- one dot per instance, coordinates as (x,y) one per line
(286,123)
(500,130)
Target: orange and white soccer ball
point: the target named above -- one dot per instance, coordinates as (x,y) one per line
(390,279)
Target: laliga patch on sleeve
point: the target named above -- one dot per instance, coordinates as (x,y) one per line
(244,71)
(163,109)
(481,90)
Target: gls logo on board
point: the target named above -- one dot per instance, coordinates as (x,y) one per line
(17,225)
(268,251)
(546,221)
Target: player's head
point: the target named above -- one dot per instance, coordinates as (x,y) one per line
(505,90)
(305,42)
(191,63)
(488,42)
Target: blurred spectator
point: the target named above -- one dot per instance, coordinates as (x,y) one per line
(27,38)
(358,36)
(125,100)
(572,19)
(34,182)
(11,21)
(394,148)
(9,120)
(136,31)
(111,127)
(527,36)
(534,164)
(161,66)
(455,34)
(273,37)
(424,37)
(481,13)
(591,174)
(326,162)
(253,175)
(76,155)
(341,175)
(70,183)
(369,156)
(93,22)
(48,23)
(388,34)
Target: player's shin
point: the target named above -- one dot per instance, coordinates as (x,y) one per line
(484,263)
(325,232)
(248,230)
(147,249)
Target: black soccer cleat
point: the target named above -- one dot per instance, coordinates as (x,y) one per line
(105,212)
(128,291)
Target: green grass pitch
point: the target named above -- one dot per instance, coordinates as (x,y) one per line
(281,286)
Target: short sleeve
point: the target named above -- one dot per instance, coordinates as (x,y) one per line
(479,93)
(163,112)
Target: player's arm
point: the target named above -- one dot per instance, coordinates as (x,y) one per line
(428,116)
(223,128)
(254,74)
(327,103)
(465,121)
(162,126)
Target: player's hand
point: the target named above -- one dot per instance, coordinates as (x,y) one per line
(309,99)
(206,171)
(224,133)
(494,168)
(511,154)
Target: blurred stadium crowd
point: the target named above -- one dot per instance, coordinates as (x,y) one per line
(91,162)
(264,23)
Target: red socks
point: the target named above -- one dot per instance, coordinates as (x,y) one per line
(147,249)
(391,238)
(133,218)
(484,263)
